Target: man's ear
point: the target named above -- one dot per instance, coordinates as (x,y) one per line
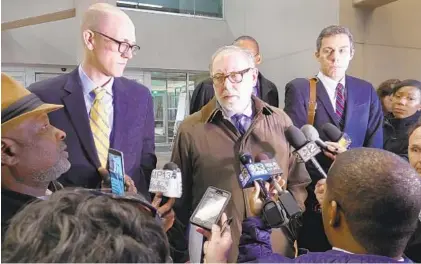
(334,217)
(352,53)
(88,39)
(9,151)
(255,75)
(317,54)
(258,59)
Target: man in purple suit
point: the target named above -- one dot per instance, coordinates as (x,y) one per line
(345,101)
(103,110)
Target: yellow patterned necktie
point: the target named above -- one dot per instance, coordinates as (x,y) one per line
(100,127)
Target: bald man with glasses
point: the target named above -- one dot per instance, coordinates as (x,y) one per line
(103,110)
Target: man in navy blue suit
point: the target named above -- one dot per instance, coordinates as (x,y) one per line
(103,110)
(345,101)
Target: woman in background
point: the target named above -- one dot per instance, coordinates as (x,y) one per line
(406,106)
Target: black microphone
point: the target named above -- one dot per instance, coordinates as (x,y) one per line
(334,134)
(246,158)
(285,197)
(306,150)
(311,133)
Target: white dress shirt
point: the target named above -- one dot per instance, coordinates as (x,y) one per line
(330,86)
(88,87)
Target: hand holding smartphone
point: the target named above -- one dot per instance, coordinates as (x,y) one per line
(210,208)
(116,170)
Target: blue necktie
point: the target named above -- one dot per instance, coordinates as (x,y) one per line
(237,122)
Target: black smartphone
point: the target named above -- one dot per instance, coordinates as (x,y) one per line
(116,170)
(210,208)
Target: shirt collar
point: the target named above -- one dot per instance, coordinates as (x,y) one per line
(228,114)
(211,109)
(88,85)
(328,81)
(345,251)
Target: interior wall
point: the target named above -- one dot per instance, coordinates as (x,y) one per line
(388,40)
(167,41)
(286,32)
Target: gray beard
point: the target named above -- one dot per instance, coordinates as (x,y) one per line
(45,177)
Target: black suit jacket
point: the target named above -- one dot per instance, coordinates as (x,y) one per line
(204,92)
(132,133)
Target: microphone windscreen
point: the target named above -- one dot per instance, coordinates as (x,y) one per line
(295,137)
(332,132)
(246,158)
(170,166)
(310,132)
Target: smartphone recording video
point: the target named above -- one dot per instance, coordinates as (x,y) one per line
(210,208)
(116,170)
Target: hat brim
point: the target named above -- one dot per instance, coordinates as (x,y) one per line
(44,108)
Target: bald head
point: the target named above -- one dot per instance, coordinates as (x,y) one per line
(379,194)
(109,40)
(100,16)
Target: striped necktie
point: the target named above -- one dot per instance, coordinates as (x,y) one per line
(237,118)
(340,104)
(100,126)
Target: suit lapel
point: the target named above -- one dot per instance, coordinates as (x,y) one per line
(351,97)
(121,101)
(323,97)
(76,109)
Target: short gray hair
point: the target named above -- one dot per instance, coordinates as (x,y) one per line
(333,31)
(233,49)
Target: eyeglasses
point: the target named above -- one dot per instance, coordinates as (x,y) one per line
(123,47)
(233,77)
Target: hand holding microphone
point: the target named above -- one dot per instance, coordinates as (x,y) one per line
(166,183)
(320,191)
(165,211)
(330,149)
(255,202)
(335,135)
(333,147)
(306,150)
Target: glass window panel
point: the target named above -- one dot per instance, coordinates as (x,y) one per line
(208,8)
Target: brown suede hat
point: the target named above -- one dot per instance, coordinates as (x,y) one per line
(17,103)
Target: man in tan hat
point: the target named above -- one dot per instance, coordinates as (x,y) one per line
(33,152)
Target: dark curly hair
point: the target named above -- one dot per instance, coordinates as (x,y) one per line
(85,226)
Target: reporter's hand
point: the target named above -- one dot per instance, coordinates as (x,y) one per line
(255,202)
(165,211)
(129,184)
(106,181)
(334,147)
(217,246)
(320,191)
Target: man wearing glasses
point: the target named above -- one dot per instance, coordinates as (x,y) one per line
(103,110)
(264,89)
(209,143)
